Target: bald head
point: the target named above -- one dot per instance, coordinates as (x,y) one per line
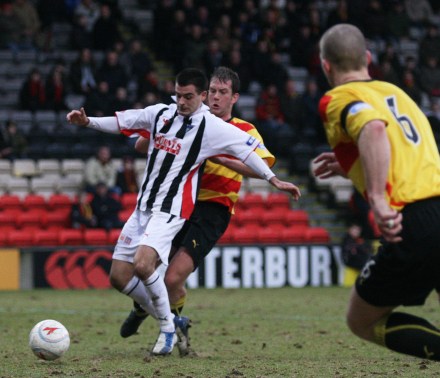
(344,47)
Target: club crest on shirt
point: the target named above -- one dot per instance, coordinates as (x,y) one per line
(172,146)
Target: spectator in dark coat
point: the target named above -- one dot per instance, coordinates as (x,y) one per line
(83,73)
(99,100)
(112,72)
(56,88)
(32,92)
(105,30)
(106,208)
(12,142)
(126,179)
(82,216)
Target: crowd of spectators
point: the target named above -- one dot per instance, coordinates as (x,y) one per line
(259,39)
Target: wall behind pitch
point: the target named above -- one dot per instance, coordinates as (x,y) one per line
(9,269)
(226,266)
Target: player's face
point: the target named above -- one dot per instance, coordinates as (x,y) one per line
(221,99)
(188,100)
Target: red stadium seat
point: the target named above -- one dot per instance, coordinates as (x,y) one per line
(97,236)
(46,237)
(58,218)
(8,218)
(4,232)
(59,201)
(113,236)
(20,238)
(128,201)
(10,201)
(240,205)
(32,219)
(227,237)
(276,217)
(34,201)
(317,235)
(246,235)
(251,216)
(125,214)
(253,200)
(294,234)
(270,235)
(277,201)
(235,221)
(70,236)
(297,218)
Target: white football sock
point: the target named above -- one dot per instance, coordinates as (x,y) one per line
(136,290)
(158,293)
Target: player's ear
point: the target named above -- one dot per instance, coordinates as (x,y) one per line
(235,98)
(368,56)
(325,65)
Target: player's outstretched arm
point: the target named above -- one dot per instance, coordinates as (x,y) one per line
(105,124)
(236,165)
(286,187)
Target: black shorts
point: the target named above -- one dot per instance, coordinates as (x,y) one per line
(201,232)
(406,273)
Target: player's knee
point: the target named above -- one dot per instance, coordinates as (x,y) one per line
(171,280)
(117,281)
(142,270)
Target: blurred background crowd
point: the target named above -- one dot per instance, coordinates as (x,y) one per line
(115,54)
(109,55)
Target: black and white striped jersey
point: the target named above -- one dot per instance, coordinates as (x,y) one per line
(178,147)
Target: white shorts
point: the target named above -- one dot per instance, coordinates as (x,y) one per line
(154,229)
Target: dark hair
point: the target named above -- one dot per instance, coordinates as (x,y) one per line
(223,74)
(192,76)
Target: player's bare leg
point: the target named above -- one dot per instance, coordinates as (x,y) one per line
(397,331)
(363,317)
(144,264)
(181,266)
(122,279)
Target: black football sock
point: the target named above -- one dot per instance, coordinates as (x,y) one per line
(139,310)
(409,334)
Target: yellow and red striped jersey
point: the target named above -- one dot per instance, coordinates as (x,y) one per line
(220,184)
(414,172)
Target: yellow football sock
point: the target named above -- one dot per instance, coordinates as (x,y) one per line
(176,308)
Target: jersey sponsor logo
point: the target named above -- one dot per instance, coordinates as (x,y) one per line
(171,146)
(250,141)
(358,107)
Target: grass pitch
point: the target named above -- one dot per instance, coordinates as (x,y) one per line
(236,333)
